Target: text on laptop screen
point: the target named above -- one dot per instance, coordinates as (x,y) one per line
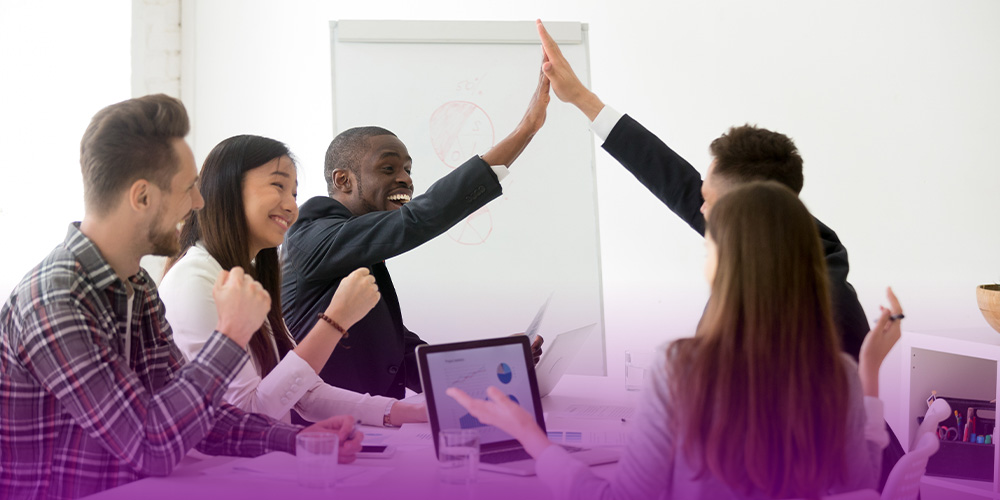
(473,370)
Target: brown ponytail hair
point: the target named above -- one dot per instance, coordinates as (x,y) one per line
(760,393)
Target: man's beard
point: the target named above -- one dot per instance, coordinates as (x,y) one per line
(365,205)
(165,243)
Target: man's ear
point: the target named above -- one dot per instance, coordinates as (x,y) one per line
(140,195)
(343,181)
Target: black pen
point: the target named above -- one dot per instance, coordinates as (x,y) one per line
(354,430)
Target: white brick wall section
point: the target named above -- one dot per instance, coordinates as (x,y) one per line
(156,66)
(156,47)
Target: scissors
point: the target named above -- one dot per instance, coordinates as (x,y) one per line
(947,433)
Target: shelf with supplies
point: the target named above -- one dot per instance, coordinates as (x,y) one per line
(960,365)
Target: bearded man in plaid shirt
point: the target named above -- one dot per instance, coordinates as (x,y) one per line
(93,391)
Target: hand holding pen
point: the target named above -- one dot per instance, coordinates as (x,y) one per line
(877,344)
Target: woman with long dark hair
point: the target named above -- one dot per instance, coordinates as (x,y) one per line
(249,185)
(760,403)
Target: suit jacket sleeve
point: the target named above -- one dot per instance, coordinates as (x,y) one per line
(848,315)
(668,176)
(678,185)
(326,247)
(410,342)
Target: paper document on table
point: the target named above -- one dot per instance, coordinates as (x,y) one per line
(588,438)
(375,438)
(595,411)
(536,322)
(282,466)
(411,435)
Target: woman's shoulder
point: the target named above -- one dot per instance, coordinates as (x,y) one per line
(195,261)
(197,267)
(849,362)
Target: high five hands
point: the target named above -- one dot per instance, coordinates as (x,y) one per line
(510,147)
(563,80)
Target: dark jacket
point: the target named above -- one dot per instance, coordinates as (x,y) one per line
(328,242)
(678,185)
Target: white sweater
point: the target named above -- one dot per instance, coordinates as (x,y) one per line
(186,292)
(653,467)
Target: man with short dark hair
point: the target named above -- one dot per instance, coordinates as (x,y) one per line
(747,153)
(741,155)
(368,218)
(94,391)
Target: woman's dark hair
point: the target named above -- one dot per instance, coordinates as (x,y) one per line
(765,354)
(222,227)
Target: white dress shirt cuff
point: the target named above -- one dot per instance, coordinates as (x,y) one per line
(501,171)
(324,401)
(288,381)
(605,121)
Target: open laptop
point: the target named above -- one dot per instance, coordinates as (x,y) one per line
(558,355)
(473,366)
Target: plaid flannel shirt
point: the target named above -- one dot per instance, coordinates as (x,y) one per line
(77,416)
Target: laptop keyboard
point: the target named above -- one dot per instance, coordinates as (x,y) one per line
(502,457)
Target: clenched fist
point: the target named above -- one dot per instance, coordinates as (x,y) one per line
(356,295)
(242,304)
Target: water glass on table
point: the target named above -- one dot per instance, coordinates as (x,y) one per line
(458,455)
(634,373)
(316,458)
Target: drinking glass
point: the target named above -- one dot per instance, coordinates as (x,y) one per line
(634,373)
(316,458)
(458,455)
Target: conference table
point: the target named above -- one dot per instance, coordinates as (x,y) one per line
(581,410)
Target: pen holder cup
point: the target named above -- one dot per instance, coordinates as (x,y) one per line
(965,460)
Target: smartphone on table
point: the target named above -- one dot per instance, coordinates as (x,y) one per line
(376,451)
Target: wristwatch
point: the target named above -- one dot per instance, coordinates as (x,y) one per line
(386,421)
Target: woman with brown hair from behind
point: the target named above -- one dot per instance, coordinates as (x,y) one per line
(760,403)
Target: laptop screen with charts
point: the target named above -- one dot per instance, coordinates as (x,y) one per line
(473,366)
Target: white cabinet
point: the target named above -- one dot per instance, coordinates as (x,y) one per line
(960,363)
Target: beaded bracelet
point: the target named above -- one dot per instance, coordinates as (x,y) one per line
(334,324)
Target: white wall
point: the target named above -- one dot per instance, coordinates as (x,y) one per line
(893,105)
(60,62)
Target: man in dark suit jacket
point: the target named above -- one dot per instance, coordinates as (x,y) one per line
(368,218)
(743,154)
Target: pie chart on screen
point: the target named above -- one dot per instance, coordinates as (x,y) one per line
(503,373)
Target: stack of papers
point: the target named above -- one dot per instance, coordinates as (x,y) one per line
(595,411)
(588,438)
(281,466)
